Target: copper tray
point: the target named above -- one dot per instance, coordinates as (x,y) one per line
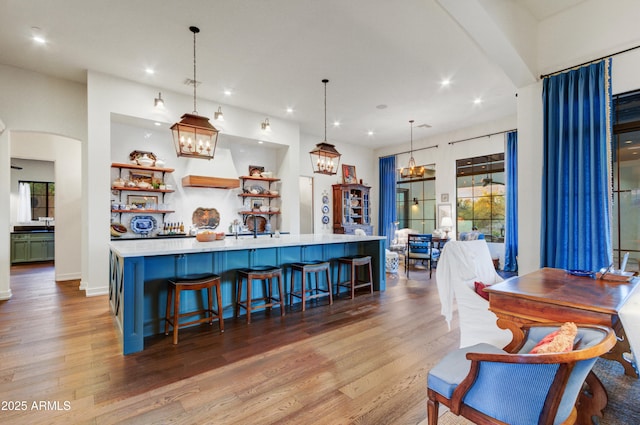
(206,217)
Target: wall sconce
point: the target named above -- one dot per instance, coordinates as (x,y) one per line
(158,102)
(265,125)
(218,116)
(415,201)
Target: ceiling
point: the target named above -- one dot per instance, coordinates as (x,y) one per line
(385,59)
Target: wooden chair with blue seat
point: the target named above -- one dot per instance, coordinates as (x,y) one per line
(418,249)
(490,386)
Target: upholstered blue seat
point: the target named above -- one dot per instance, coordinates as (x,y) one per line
(483,382)
(454,367)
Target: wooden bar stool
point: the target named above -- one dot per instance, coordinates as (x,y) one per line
(308,293)
(353,283)
(265,274)
(192,283)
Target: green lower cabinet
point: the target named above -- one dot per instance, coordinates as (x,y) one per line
(30,247)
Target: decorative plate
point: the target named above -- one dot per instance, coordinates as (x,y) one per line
(325,219)
(325,199)
(325,209)
(142,224)
(206,217)
(259,222)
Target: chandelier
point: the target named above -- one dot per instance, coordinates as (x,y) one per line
(194,136)
(324,157)
(411,171)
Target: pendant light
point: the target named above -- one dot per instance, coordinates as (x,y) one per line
(324,157)
(194,136)
(411,171)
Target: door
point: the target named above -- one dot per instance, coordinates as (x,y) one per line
(306,205)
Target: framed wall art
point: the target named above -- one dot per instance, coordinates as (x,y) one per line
(349,174)
(142,202)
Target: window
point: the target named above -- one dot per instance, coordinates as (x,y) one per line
(480,196)
(42,199)
(416,202)
(625,227)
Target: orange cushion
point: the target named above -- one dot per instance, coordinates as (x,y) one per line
(559,341)
(480,290)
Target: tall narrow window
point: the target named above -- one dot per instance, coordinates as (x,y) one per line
(42,199)
(481,196)
(416,202)
(625,227)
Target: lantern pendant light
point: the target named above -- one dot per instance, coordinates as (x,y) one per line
(324,157)
(194,136)
(411,171)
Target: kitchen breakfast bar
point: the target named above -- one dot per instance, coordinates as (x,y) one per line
(140,269)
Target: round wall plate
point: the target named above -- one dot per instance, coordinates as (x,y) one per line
(325,209)
(325,199)
(325,219)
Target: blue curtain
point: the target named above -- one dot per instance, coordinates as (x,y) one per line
(576,227)
(387,205)
(511,231)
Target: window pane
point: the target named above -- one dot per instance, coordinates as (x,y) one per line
(480,195)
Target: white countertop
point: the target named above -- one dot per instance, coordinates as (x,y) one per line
(151,247)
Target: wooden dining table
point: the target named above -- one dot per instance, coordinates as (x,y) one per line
(555,295)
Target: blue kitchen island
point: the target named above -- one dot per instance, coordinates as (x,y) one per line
(139,270)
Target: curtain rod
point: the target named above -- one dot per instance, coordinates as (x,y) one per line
(400,153)
(543,76)
(485,135)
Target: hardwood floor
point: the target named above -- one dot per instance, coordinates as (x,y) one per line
(361,361)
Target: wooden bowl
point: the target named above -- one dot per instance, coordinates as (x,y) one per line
(206,236)
(118,229)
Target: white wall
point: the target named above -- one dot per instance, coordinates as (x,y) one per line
(232,159)
(34,103)
(444,157)
(590,30)
(363,159)
(65,154)
(108,96)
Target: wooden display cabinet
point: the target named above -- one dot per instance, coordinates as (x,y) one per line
(351,209)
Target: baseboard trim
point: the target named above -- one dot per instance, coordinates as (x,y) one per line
(5,295)
(94,292)
(68,276)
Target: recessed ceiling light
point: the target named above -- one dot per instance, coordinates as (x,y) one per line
(260,142)
(150,71)
(445,82)
(336,123)
(381,106)
(289,110)
(477,101)
(37,36)
(227,92)
(157,124)
(370,133)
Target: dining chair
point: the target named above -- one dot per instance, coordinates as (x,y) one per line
(487,385)
(418,249)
